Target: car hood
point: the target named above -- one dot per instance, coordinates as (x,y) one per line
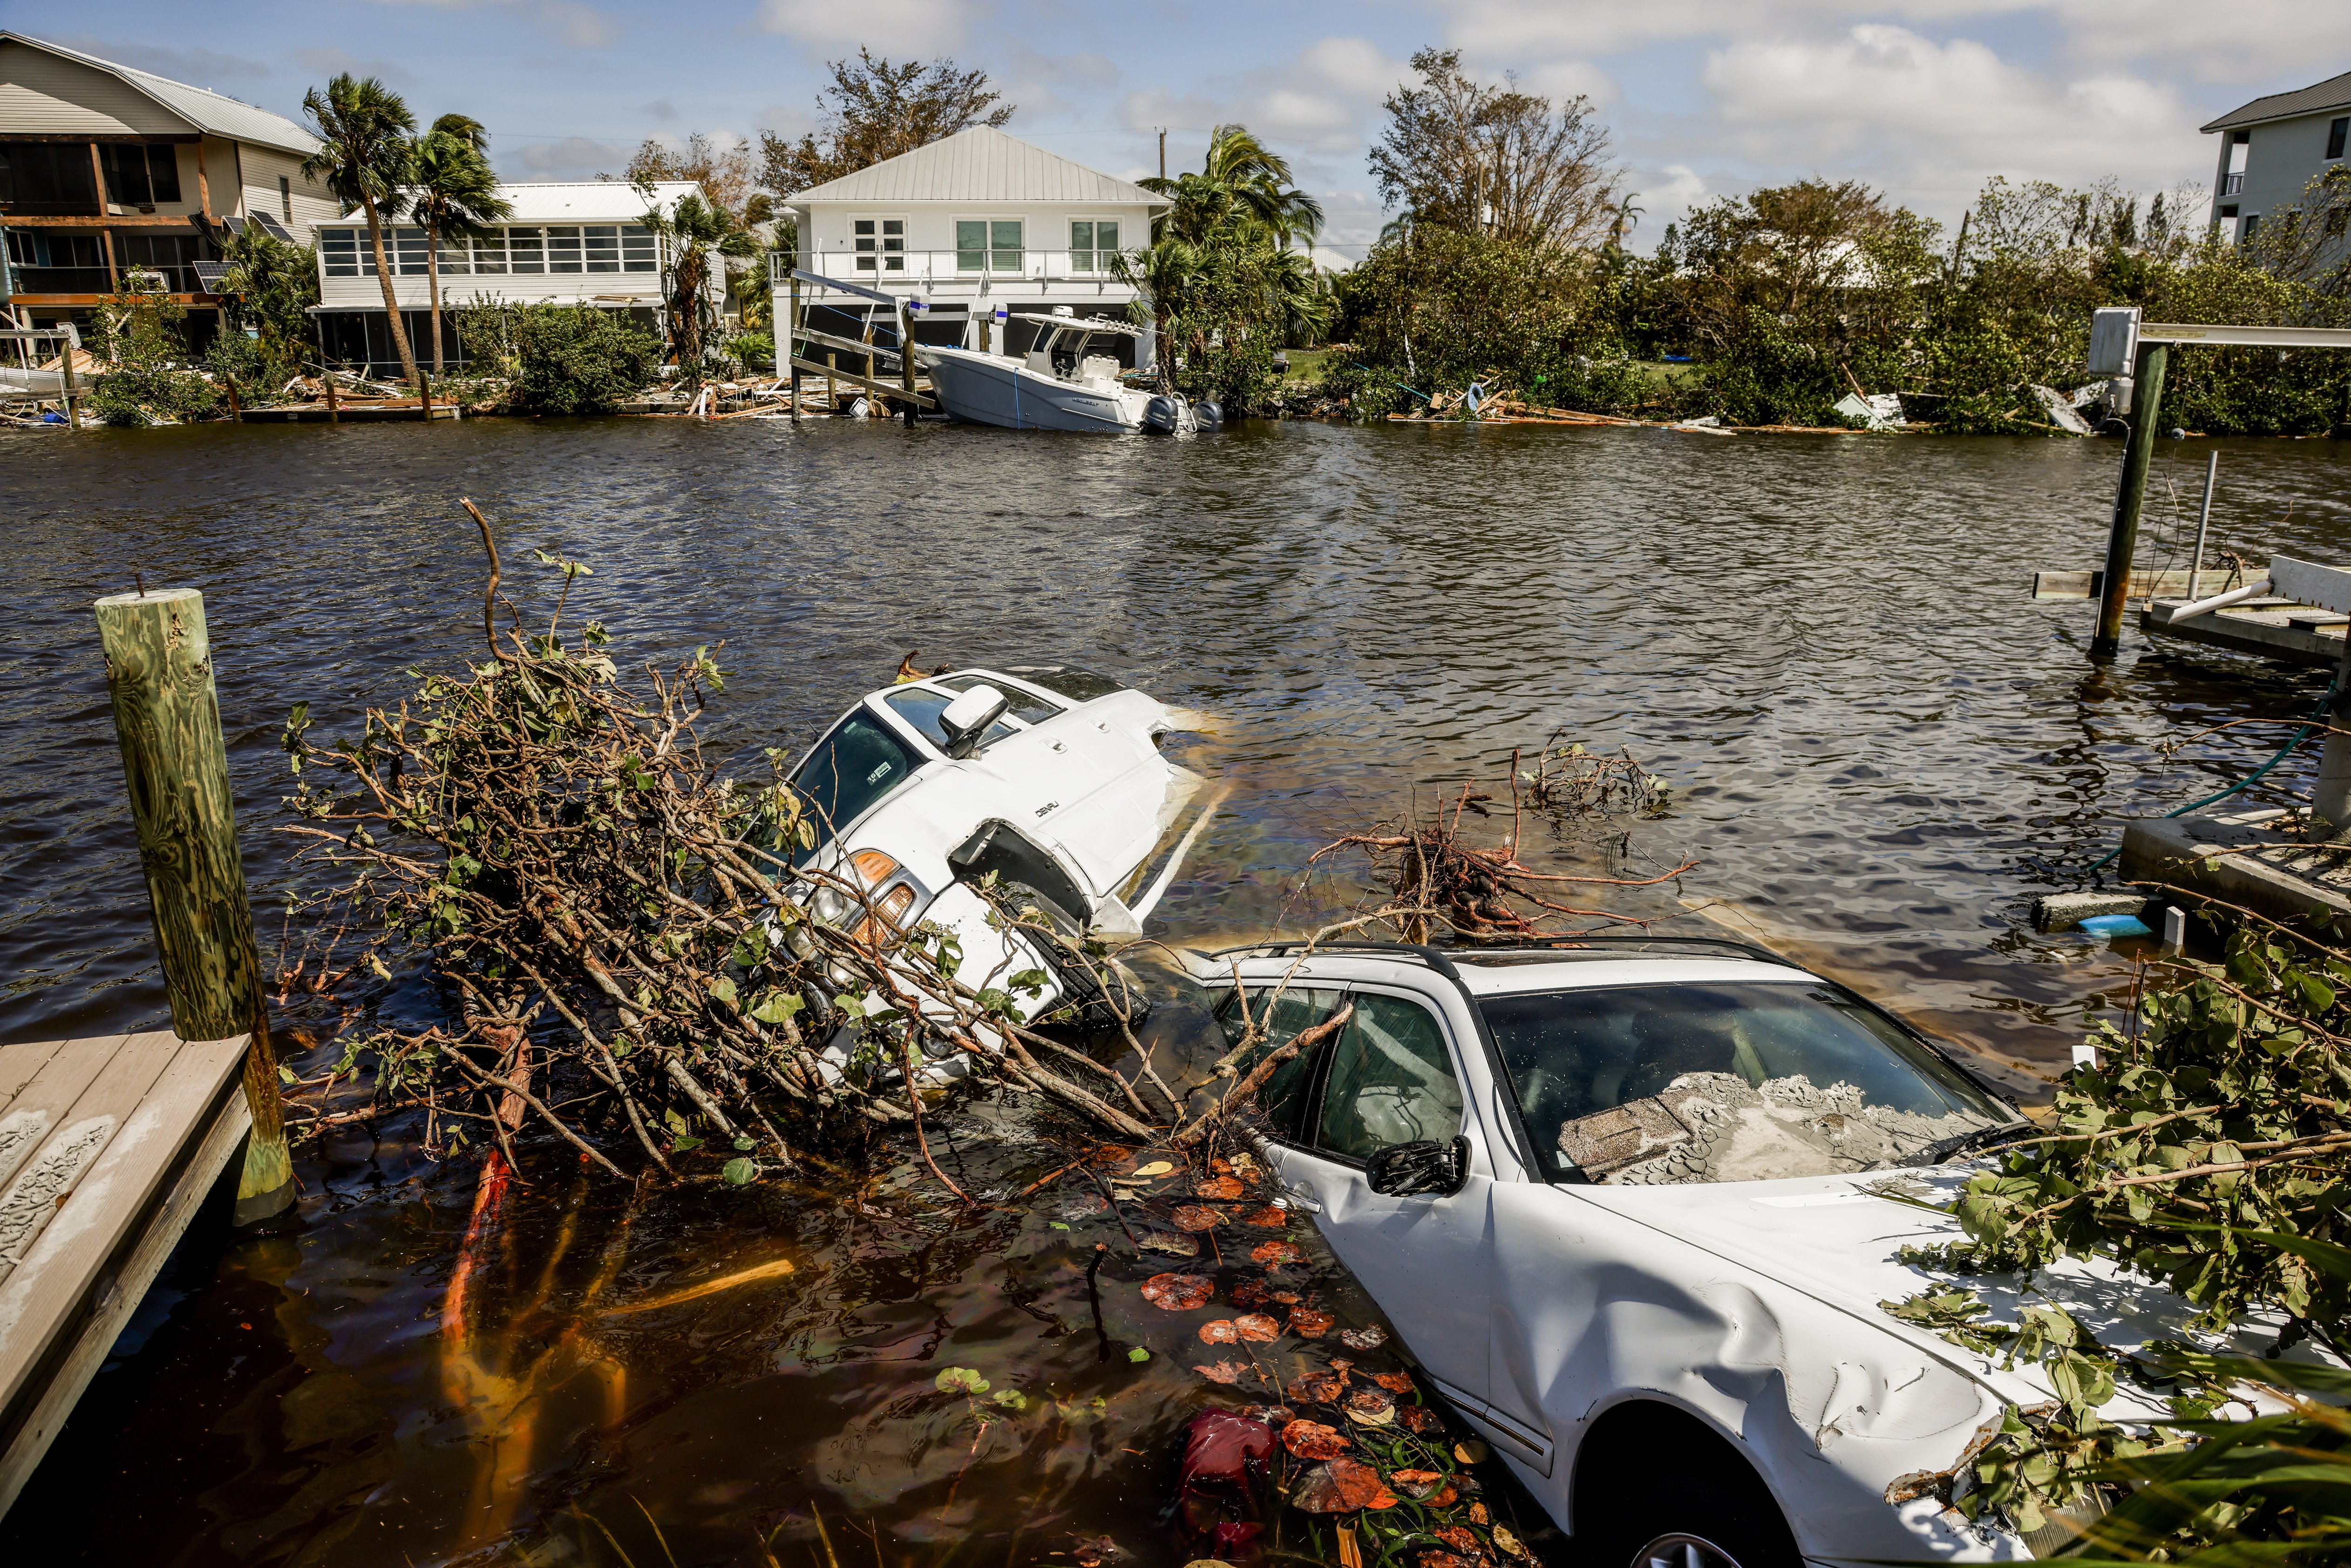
(1838,1238)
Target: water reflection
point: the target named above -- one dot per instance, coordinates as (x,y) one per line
(1879,748)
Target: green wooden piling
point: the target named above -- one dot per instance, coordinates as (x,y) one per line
(2122,538)
(159,670)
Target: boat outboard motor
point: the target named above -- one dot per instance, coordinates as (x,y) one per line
(966,718)
(1163,415)
(1208,415)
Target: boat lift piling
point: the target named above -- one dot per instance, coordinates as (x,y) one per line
(905,391)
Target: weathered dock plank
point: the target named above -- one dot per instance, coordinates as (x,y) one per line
(2271,628)
(124,1136)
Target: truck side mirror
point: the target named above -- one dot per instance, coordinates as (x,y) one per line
(966,718)
(1420,1168)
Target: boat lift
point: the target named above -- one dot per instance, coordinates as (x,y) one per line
(27,382)
(798,332)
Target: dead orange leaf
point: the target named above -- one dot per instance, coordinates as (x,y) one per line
(1179,1292)
(1257,1326)
(1192,1217)
(1267,1217)
(1272,1254)
(1341,1486)
(1313,1440)
(1222,1186)
(1308,1324)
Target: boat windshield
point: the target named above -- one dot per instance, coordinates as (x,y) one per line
(1644,1085)
(850,770)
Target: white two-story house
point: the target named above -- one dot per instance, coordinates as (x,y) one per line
(969,224)
(2271,150)
(570,243)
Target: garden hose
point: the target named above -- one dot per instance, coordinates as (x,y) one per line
(2315,719)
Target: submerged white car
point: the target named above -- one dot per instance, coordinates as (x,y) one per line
(1631,1207)
(1048,778)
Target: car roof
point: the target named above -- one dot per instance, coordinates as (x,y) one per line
(1490,973)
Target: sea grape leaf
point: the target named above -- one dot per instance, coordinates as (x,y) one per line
(1341,1486)
(1179,1292)
(1313,1440)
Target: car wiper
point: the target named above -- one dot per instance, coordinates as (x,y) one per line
(1942,1149)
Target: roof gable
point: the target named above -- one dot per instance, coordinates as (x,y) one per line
(980,164)
(2335,92)
(199,107)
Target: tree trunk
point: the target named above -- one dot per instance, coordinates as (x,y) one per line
(391,300)
(432,287)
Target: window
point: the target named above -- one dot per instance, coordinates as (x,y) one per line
(285,197)
(639,253)
(526,251)
(51,261)
(1391,1082)
(563,250)
(921,707)
(1283,1097)
(171,255)
(490,252)
(48,179)
(849,771)
(456,255)
(988,244)
(408,252)
(340,248)
(1802,1080)
(1093,242)
(880,244)
(603,246)
(2253,222)
(1027,706)
(140,175)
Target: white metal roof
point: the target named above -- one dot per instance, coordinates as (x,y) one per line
(204,110)
(981,164)
(582,201)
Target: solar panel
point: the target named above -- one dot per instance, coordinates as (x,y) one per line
(272,227)
(209,274)
(232,222)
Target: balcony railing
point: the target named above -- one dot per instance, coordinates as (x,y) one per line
(2232,185)
(882,268)
(63,280)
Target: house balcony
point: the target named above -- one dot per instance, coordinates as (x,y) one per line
(928,270)
(2232,185)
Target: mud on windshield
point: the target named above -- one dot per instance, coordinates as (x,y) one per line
(1644,1085)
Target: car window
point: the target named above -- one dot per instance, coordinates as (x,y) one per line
(1069,681)
(849,770)
(1391,1080)
(920,708)
(1639,1084)
(1027,705)
(1280,1019)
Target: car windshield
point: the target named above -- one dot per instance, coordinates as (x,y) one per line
(850,768)
(1641,1085)
(1069,681)
(921,707)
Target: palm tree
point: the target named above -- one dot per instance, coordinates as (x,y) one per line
(1240,179)
(364,156)
(699,235)
(452,192)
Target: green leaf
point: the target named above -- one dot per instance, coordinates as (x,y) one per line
(775,1006)
(1012,1400)
(1138,1354)
(676,1122)
(684,1142)
(1055,1225)
(741,1172)
(724,990)
(960,1380)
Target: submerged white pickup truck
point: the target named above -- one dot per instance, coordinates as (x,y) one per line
(1047,778)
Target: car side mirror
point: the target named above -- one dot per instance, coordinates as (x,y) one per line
(1419,1169)
(966,718)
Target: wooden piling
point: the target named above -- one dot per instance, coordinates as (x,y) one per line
(906,351)
(792,347)
(2130,496)
(158,671)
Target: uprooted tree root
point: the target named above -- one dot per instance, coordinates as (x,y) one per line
(1437,880)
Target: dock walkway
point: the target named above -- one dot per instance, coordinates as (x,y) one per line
(107,1147)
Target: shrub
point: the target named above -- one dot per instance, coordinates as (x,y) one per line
(568,359)
(147,380)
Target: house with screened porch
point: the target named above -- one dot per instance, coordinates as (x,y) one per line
(569,242)
(969,224)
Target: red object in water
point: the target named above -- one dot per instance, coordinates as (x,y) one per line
(1224,1459)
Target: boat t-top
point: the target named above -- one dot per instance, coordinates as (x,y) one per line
(1057,386)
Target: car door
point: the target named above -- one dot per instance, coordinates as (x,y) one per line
(1392,1077)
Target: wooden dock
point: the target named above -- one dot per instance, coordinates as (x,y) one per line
(107,1148)
(2272,628)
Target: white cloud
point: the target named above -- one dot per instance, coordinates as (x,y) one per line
(921,28)
(1932,121)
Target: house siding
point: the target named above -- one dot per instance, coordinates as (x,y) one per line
(262,167)
(44,95)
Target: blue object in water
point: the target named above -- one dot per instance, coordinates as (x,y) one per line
(2116,926)
(53,417)
(1678,359)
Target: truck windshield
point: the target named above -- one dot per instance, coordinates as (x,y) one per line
(850,768)
(1742,1081)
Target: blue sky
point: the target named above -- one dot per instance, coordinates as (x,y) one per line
(1924,98)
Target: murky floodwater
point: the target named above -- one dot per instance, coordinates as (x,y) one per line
(1879,749)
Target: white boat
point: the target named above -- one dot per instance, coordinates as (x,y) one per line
(1057,386)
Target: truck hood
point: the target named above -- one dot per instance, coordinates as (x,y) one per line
(1837,1238)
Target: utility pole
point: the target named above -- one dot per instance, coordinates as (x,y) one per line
(1163,152)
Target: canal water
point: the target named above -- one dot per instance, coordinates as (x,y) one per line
(1879,749)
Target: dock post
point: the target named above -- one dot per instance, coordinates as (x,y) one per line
(159,670)
(792,347)
(2122,538)
(2203,523)
(906,353)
